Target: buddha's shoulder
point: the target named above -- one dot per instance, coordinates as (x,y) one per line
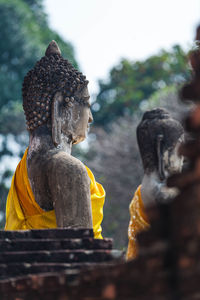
(63,162)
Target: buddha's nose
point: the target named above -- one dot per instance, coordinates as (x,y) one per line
(90,117)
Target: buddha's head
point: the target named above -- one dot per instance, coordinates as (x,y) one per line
(56,98)
(159,137)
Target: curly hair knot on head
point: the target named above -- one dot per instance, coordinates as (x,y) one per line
(51,74)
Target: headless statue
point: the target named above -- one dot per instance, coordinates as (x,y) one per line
(159,137)
(57,109)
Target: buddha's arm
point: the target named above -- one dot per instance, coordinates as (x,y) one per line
(70,190)
(153,190)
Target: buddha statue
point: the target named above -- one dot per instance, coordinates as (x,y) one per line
(159,137)
(51,188)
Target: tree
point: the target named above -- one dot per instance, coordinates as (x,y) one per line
(132,82)
(25,35)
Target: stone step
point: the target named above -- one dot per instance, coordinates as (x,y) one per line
(22,269)
(27,253)
(60,256)
(26,287)
(57,233)
(12,274)
(9,244)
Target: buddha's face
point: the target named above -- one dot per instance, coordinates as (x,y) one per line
(173,161)
(153,187)
(76,120)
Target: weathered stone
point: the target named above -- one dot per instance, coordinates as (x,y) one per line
(57,233)
(53,244)
(59,256)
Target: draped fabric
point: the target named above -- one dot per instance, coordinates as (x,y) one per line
(23,212)
(138,222)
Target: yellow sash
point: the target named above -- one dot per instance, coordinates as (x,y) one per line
(138,222)
(23,212)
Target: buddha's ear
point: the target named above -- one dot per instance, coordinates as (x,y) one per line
(159,149)
(56,118)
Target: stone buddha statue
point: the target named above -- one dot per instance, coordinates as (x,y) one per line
(159,137)
(58,190)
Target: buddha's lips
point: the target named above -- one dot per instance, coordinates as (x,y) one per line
(78,140)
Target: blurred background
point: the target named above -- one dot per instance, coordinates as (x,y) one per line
(134,54)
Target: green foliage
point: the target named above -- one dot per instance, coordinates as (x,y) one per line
(12,111)
(24,37)
(132,82)
(37,9)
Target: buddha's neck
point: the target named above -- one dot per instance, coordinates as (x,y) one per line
(150,181)
(65,144)
(42,141)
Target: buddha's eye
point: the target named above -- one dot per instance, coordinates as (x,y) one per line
(86,98)
(87,103)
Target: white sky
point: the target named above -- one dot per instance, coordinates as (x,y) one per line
(103,31)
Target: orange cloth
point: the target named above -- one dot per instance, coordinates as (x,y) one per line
(138,222)
(23,212)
